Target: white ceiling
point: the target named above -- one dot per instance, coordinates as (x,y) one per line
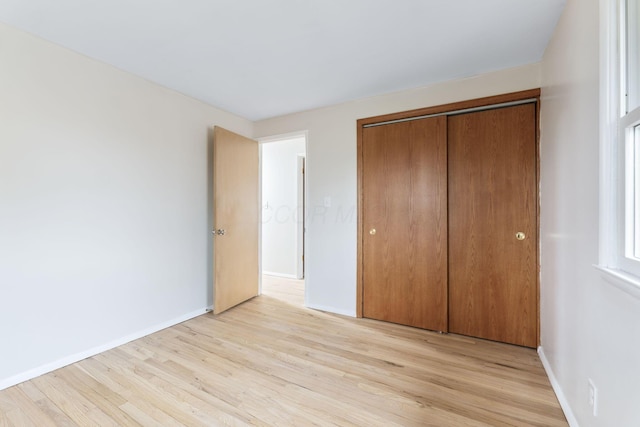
(264,58)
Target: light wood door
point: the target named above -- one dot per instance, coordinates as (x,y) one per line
(492,197)
(404,197)
(235,187)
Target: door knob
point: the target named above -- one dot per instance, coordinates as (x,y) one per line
(219,232)
(372,231)
(520,235)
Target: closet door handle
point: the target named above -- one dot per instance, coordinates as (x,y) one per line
(520,235)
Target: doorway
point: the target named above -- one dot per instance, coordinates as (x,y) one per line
(282,173)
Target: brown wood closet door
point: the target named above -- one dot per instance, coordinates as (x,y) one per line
(492,197)
(236,217)
(405,223)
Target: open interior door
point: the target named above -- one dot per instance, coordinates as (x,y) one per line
(235,219)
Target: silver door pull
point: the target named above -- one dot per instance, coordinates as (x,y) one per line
(220,232)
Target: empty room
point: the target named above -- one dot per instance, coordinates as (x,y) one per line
(459,244)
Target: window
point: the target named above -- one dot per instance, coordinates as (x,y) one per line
(620,139)
(632,197)
(630,59)
(629,131)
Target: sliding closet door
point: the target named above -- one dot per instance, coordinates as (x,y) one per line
(492,225)
(404,213)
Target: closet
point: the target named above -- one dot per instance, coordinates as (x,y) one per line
(448,218)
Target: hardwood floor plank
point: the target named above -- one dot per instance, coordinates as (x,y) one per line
(30,390)
(140,416)
(4,421)
(69,401)
(104,398)
(201,406)
(287,290)
(18,418)
(271,362)
(56,415)
(138,385)
(142,401)
(29,408)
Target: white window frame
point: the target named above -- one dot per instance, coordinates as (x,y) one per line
(617,168)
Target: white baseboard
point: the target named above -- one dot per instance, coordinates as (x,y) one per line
(564,403)
(333,310)
(52,366)
(286,276)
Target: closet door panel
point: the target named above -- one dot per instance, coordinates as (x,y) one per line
(405,223)
(492,198)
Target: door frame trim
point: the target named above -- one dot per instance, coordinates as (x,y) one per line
(457,112)
(444,109)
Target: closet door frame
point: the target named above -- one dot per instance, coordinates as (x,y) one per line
(443,109)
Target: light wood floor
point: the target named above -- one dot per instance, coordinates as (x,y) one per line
(287,290)
(271,362)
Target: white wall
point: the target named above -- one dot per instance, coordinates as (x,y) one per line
(331,172)
(104,224)
(281,212)
(590,329)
